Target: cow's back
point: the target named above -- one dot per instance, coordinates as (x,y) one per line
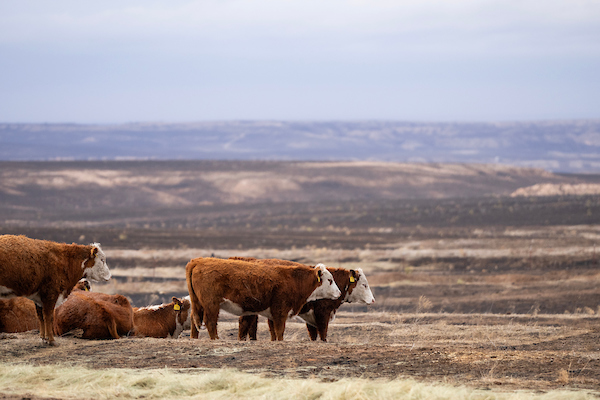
(99,315)
(17,315)
(24,263)
(236,280)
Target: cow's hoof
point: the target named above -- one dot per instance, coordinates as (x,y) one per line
(52,343)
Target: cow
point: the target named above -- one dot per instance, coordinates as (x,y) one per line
(319,313)
(244,288)
(163,321)
(99,315)
(18,314)
(45,272)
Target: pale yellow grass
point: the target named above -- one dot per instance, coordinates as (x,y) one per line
(78,383)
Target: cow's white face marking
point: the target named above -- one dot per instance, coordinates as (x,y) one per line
(362,292)
(327,289)
(6,292)
(99,271)
(309,318)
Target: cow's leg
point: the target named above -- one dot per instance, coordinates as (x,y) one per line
(245,325)
(211,315)
(48,312)
(197,318)
(312,332)
(323,330)
(279,327)
(272,330)
(40,315)
(194,330)
(322,320)
(112,328)
(253,328)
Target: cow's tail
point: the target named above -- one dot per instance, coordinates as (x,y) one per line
(196,309)
(112,328)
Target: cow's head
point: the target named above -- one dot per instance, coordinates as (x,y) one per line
(185,317)
(361,293)
(326,287)
(95,268)
(84,285)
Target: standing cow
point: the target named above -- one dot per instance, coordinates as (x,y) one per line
(245,288)
(18,314)
(46,272)
(319,313)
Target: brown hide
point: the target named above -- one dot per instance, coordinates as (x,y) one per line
(323,309)
(99,315)
(48,269)
(251,285)
(160,322)
(18,315)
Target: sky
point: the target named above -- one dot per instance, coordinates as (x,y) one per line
(409,60)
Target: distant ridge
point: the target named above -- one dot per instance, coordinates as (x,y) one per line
(558,146)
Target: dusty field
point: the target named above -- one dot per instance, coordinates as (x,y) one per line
(490,292)
(540,353)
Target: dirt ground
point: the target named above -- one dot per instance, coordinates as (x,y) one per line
(490,292)
(505,352)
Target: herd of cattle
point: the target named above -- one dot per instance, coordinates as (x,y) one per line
(44,285)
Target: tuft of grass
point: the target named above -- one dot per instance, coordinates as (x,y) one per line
(70,383)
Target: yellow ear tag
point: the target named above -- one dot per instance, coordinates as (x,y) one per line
(352,279)
(318,278)
(176,307)
(86,289)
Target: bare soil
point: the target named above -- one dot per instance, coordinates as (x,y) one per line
(541,352)
(490,292)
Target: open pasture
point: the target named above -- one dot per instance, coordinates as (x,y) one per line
(486,296)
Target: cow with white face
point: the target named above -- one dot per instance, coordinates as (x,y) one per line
(95,268)
(361,293)
(319,313)
(245,287)
(46,272)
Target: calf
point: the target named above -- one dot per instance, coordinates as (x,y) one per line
(18,314)
(318,313)
(246,287)
(99,315)
(163,321)
(46,272)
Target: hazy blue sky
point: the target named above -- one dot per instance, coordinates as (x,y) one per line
(176,61)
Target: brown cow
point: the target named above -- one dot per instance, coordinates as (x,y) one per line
(319,313)
(163,321)
(19,315)
(245,287)
(46,272)
(99,315)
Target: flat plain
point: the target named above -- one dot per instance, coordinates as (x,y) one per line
(484,290)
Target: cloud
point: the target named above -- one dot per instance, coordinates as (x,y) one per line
(359,26)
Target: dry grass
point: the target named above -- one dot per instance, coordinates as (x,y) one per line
(74,383)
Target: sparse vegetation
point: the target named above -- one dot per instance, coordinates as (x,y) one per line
(484,295)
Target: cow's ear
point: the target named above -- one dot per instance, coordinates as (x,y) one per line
(177,305)
(319,275)
(353,276)
(94,252)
